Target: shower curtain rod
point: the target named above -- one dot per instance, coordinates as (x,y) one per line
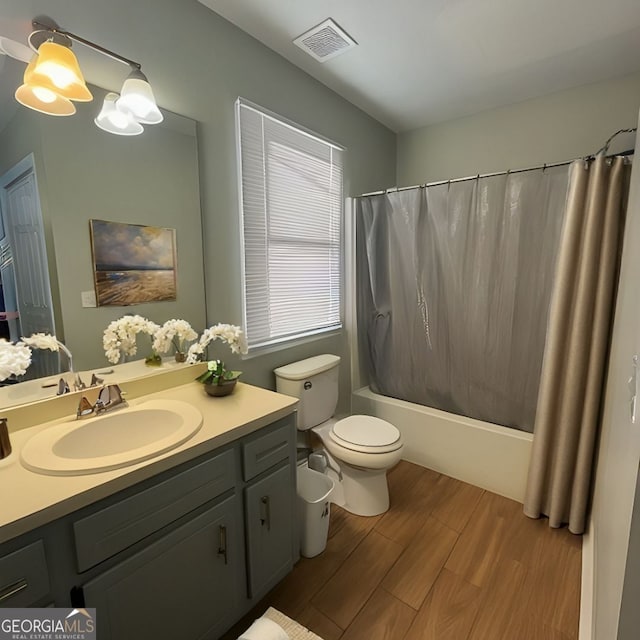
(465,179)
(604,149)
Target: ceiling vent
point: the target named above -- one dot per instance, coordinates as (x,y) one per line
(325,41)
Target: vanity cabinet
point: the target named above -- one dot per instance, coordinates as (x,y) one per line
(183,554)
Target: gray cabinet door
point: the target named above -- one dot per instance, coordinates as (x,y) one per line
(269,505)
(186,585)
(24,578)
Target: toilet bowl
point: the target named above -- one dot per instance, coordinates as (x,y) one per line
(361,448)
(364,448)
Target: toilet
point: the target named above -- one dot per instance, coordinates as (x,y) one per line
(360,448)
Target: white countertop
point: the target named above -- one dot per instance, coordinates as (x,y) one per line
(29,500)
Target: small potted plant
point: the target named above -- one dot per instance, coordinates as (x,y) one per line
(217,379)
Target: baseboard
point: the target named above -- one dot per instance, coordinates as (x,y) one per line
(587,589)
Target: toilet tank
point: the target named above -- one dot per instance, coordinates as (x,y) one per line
(315,382)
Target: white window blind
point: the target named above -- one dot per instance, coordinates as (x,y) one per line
(291,186)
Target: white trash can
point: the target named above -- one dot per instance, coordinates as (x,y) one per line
(314,489)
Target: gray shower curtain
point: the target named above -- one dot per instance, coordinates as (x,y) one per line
(453,290)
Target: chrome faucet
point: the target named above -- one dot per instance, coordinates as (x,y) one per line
(110,397)
(78,384)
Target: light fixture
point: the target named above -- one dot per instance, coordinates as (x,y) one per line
(116,120)
(15,49)
(57,69)
(53,80)
(137,97)
(42,98)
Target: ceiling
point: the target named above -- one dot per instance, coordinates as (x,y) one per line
(425,61)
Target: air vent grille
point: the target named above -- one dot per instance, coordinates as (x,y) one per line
(325,41)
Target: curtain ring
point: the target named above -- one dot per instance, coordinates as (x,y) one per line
(448,185)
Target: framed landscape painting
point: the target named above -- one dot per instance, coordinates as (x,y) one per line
(132,263)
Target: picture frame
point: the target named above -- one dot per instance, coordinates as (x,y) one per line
(133,263)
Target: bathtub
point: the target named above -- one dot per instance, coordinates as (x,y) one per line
(483,454)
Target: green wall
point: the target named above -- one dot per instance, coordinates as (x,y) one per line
(198,64)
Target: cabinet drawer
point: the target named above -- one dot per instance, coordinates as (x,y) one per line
(109,531)
(24,578)
(264,451)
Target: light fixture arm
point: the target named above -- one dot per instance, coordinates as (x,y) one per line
(87,43)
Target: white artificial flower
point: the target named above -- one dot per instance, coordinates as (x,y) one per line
(229,333)
(171,331)
(120,336)
(14,359)
(42,341)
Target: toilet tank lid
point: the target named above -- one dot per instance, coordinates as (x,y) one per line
(307,368)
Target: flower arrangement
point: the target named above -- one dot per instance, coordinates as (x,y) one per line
(14,358)
(229,333)
(218,380)
(173,332)
(120,337)
(42,341)
(47,341)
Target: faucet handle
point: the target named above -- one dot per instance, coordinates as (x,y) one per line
(103,398)
(85,408)
(63,387)
(116,394)
(95,381)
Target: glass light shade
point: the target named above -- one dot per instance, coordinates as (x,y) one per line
(57,69)
(40,98)
(15,49)
(115,120)
(137,97)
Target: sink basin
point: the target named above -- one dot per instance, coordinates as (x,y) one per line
(112,440)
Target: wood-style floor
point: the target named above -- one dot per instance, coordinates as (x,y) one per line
(448,561)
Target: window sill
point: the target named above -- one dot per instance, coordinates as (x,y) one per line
(289,343)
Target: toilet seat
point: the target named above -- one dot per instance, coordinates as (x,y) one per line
(366,434)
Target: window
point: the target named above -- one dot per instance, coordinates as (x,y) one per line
(291,184)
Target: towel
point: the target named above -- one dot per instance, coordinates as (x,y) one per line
(264,629)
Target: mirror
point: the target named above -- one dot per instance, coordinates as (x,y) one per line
(85,173)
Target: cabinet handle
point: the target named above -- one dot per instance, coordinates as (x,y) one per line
(12,589)
(265,503)
(222,546)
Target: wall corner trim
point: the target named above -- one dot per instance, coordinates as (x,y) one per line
(587,589)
